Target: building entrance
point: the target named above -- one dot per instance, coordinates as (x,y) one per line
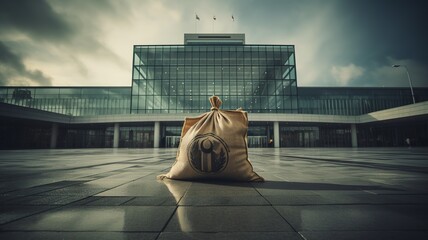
(172,141)
(301,136)
(257,141)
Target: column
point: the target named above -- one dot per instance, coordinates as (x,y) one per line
(54,135)
(116,135)
(156,135)
(276,134)
(354,139)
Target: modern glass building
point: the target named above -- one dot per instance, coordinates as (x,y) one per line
(170,82)
(73,101)
(180,78)
(353,101)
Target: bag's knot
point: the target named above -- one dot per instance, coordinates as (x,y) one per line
(215,103)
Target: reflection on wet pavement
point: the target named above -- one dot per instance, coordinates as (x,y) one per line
(309,194)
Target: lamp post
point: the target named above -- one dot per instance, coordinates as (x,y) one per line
(410,81)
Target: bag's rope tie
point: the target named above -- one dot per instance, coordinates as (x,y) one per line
(215,103)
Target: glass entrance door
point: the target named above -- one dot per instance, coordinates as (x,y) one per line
(172,141)
(257,141)
(299,136)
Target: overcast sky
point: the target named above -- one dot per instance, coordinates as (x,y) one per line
(90,42)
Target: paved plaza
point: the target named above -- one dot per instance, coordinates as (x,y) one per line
(309,194)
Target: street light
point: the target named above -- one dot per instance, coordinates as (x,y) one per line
(408,76)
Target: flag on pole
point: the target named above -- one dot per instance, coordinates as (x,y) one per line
(214,18)
(197,17)
(233,18)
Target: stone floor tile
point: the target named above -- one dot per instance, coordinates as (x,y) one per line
(78,235)
(237,200)
(107,182)
(212,189)
(149,188)
(355,217)
(227,219)
(11,213)
(84,201)
(152,201)
(77,190)
(230,235)
(96,218)
(30,191)
(295,199)
(45,200)
(366,235)
(109,201)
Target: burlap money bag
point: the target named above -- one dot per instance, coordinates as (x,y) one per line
(214,146)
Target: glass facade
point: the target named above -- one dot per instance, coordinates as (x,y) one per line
(74,101)
(355,101)
(315,135)
(181,78)
(393,134)
(171,134)
(260,134)
(85,136)
(132,136)
(27,134)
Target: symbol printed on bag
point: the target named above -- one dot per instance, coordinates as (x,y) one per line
(208,153)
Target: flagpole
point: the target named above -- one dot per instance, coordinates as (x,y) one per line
(233,24)
(196,22)
(214,19)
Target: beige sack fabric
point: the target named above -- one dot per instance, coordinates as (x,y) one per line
(214,146)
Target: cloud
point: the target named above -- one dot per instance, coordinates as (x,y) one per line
(387,76)
(84,42)
(344,74)
(311,27)
(35,18)
(14,72)
(66,39)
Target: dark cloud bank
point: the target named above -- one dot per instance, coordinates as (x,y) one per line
(12,66)
(365,33)
(46,29)
(36,20)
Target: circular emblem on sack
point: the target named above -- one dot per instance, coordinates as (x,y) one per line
(208,153)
